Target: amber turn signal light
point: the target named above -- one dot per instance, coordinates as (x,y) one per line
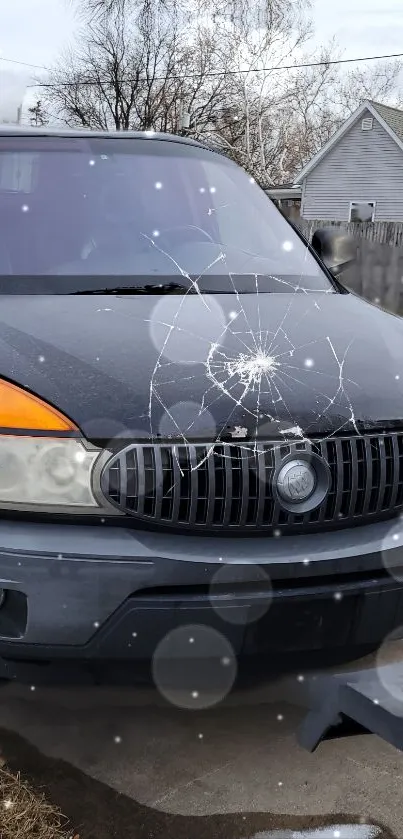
(22,410)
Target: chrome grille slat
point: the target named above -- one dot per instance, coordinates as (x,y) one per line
(322,508)
(354,470)
(261,484)
(339,478)
(158,482)
(382,479)
(245,463)
(176,484)
(184,484)
(211,485)
(395,471)
(193,486)
(141,480)
(368,483)
(227,490)
(123,481)
(229,486)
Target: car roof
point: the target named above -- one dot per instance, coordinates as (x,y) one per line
(10,130)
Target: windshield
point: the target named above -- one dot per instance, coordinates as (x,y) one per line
(162,214)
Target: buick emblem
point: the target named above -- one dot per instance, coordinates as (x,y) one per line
(296,481)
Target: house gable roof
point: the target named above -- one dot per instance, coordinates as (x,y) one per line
(392,116)
(391,119)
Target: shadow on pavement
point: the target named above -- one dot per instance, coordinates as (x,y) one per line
(96,811)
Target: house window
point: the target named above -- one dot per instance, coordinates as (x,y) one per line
(362,211)
(367,124)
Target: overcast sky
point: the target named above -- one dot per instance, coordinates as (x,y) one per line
(35,30)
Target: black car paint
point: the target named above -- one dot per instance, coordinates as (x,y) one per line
(94,358)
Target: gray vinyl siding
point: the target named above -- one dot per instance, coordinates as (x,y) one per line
(362,166)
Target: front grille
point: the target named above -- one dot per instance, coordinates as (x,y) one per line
(230,487)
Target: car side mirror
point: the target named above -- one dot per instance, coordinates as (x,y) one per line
(335,248)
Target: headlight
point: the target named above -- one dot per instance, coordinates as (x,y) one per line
(48,472)
(41,467)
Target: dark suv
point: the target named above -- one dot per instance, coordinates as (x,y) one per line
(200,427)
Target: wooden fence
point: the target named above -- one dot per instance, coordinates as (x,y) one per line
(377,273)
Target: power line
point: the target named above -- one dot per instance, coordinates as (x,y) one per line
(278,68)
(24,63)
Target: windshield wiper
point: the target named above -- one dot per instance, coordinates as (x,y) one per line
(161,288)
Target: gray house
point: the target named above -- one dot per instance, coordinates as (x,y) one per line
(358,174)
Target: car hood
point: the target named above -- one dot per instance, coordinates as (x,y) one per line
(207,367)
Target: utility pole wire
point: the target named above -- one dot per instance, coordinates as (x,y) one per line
(210,74)
(24,63)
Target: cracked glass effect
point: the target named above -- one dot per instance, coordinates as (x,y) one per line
(257,372)
(230,345)
(237,319)
(265,364)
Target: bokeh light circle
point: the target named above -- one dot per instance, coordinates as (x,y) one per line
(389,668)
(226,595)
(392,550)
(194,667)
(188,419)
(183,328)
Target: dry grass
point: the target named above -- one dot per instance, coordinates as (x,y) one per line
(26,815)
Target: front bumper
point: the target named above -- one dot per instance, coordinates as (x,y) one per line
(102,593)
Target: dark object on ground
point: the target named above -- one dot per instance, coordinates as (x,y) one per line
(358,698)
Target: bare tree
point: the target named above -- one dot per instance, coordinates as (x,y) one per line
(141,63)
(378,82)
(255,38)
(96,84)
(139,68)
